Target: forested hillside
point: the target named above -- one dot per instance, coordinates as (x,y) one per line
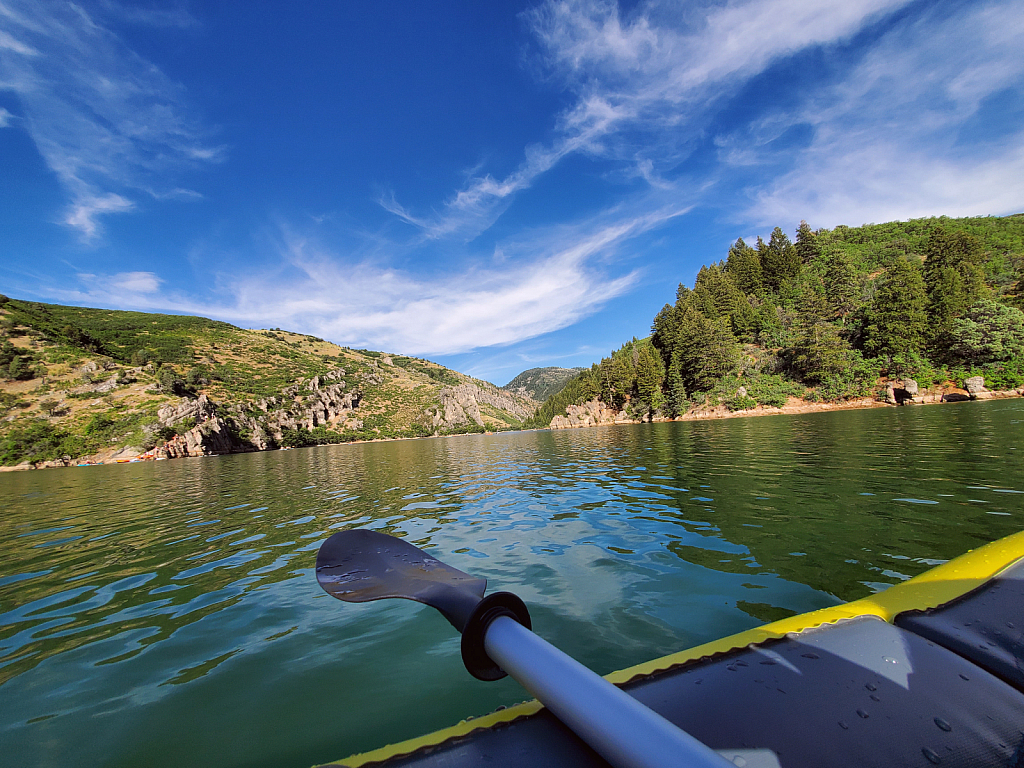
(824,317)
(77,381)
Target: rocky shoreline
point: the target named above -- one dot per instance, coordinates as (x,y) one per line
(899,393)
(211,438)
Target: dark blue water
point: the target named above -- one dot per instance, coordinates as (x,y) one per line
(167,614)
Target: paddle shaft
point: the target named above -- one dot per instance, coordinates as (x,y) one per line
(618,727)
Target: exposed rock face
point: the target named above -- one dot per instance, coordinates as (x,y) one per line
(975,385)
(590,414)
(209,438)
(741,392)
(308,404)
(461,404)
(305,404)
(890,395)
(199,409)
(911,386)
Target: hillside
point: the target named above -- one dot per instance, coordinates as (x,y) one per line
(540,383)
(80,382)
(900,312)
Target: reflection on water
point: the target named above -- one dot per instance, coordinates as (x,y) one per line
(168,613)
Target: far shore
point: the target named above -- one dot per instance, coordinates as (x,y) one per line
(794,406)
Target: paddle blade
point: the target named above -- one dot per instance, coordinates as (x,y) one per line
(359,565)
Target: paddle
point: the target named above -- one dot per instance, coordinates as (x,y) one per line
(359,565)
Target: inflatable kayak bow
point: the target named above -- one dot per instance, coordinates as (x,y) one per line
(928,672)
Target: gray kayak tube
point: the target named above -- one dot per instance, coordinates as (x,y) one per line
(618,727)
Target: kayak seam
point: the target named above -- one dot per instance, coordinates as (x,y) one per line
(437,738)
(931,589)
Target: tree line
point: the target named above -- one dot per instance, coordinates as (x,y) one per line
(825,316)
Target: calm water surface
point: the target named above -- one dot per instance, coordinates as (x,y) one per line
(167,614)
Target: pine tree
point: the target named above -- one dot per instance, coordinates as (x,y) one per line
(820,351)
(780,263)
(743,266)
(807,246)
(705,350)
(650,374)
(954,278)
(716,296)
(663,332)
(896,320)
(840,284)
(988,332)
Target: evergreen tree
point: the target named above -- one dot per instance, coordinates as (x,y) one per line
(896,320)
(780,263)
(820,351)
(650,375)
(743,266)
(663,332)
(618,377)
(955,280)
(840,284)
(989,332)
(716,296)
(807,247)
(705,350)
(706,294)
(675,391)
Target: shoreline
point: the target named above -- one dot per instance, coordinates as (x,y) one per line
(706,413)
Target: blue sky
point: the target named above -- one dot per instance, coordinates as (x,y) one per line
(495,186)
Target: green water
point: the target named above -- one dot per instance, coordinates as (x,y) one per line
(167,614)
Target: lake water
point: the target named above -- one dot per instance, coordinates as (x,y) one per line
(167,614)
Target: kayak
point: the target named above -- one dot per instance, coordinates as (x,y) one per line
(928,672)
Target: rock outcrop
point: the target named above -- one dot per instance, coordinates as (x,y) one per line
(975,386)
(461,404)
(307,404)
(200,409)
(591,414)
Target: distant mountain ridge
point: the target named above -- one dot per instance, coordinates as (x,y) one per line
(540,383)
(78,382)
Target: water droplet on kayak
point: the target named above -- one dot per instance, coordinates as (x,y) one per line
(863,714)
(871,687)
(1009,625)
(810,655)
(891,660)
(932,757)
(874,698)
(943,724)
(844,726)
(965,677)
(739,761)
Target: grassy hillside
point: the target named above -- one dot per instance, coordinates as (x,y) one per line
(78,381)
(829,317)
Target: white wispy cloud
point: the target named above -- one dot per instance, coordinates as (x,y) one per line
(107,122)
(648,84)
(5,118)
(645,84)
(545,283)
(893,140)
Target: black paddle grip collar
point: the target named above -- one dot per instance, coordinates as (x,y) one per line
(487,610)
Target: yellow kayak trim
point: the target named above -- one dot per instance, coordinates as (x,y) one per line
(931,589)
